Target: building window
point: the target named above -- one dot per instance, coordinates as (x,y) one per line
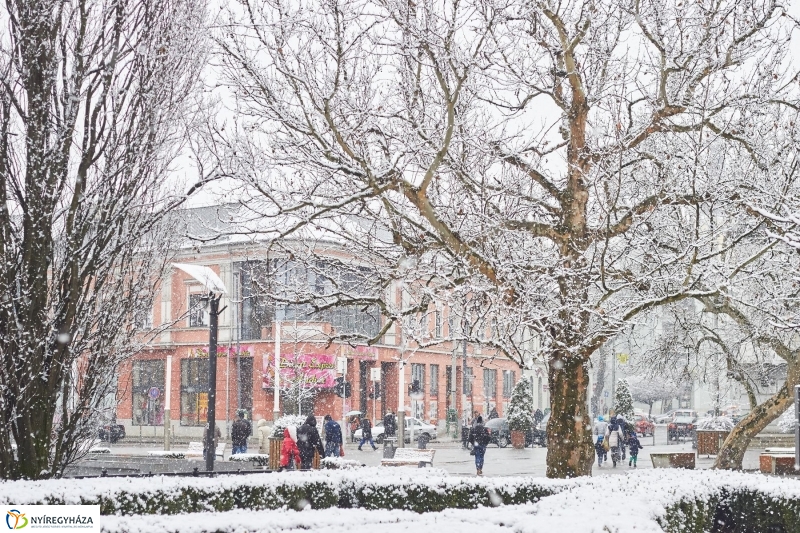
(194,391)
(418,378)
(143,319)
(469,378)
(434,380)
(245,383)
(437,325)
(490,383)
(509,378)
(197,310)
(148,393)
(433,412)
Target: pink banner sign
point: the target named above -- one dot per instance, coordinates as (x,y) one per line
(312,370)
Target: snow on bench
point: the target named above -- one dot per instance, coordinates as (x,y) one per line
(195,449)
(410,457)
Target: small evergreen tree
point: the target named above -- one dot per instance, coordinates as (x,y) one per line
(520,408)
(623,401)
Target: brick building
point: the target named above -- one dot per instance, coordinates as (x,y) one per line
(246,360)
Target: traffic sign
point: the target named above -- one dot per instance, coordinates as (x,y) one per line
(154,393)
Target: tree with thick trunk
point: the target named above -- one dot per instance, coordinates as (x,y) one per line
(555,160)
(90,101)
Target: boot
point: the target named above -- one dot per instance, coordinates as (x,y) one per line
(480,471)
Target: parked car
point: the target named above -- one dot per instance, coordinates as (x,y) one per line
(681,426)
(420,427)
(665,417)
(111,432)
(538,433)
(644,426)
(501,434)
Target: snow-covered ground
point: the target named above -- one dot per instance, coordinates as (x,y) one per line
(625,503)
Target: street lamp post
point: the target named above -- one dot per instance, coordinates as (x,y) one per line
(216,289)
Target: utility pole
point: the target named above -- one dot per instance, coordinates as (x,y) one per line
(211,449)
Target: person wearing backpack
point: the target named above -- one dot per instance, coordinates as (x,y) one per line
(615,438)
(480,437)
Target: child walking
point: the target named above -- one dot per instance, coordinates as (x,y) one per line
(633,446)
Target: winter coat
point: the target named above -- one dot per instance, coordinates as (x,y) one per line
(479,435)
(264,433)
(308,440)
(240,431)
(390,425)
(333,432)
(614,435)
(600,428)
(217,435)
(289,447)
(634,445)
(366,429)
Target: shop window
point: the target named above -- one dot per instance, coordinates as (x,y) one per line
(148,393)
(194,391)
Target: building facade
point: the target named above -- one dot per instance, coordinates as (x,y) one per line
(176,366)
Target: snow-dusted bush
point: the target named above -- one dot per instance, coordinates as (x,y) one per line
(286,421)
(419,490)
(787,421)
(520,408)
(716,423)
(261,459)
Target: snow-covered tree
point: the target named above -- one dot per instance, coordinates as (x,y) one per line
(92,108)
(650,391)
(623,401)
(520,407)
(571,165)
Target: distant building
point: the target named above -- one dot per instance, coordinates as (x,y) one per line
(309,364)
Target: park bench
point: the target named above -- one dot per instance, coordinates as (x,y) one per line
(778,461)
(410,457)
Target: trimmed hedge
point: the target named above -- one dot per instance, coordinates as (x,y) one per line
(414,495)
(734,511)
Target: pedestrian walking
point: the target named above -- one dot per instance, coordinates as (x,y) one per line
(615,437)
(599,432)
(480,437)
(366,434)
(217,438)
(289,449)
(240,432)
(333,437)
(308,441)
(264,433)
(355,423)
(634,446)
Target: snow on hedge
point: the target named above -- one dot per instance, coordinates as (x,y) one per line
(643,501)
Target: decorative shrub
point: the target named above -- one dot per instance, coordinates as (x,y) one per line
(623,401)
(520,407)
(285,421)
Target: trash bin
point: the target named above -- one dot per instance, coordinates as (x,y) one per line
(389,448)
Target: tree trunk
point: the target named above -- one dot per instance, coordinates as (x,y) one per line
(733,449)
(569,436)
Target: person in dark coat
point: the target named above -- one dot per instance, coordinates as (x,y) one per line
(633,448)
(493,413)
(480,437)
(333,437)
(240,431)
(308,440)
(366,434)
(390,424)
